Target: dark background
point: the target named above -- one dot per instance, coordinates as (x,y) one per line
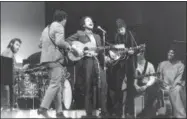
(155,23)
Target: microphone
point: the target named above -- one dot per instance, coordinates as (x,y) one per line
(99,27)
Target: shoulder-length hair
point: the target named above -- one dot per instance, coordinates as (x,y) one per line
(13,41)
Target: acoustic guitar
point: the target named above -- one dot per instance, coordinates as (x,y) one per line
(80,50)
(120,53)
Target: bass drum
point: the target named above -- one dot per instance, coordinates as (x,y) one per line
(67,89)
(67,94)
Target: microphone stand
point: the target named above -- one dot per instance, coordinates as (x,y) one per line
(104,68)
(104,43)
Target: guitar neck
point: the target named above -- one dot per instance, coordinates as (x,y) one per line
(124,50)
(146,75)
(100,48)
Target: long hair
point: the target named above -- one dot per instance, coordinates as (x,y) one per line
(120,23)
(11,43)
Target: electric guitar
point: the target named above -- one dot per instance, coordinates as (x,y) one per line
(140,78)
(80,50)
(120,53)
(163,86)
(147,75)
(161,82)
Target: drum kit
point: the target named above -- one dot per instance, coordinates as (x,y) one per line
(33,83)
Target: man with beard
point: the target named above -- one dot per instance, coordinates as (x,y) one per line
(91,64)
(12,48)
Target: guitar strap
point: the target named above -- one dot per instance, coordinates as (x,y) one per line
(143,73)
(51,38)
(145,68)
(65,62)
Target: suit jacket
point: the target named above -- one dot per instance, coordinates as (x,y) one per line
(49,51)
(82,37)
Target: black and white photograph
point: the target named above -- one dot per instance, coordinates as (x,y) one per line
(93,59)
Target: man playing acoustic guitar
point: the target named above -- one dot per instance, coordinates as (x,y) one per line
(116,73)
(90,67)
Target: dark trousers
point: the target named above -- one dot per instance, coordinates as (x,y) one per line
(92,74)
(152,94)
(116,75)
(130,69)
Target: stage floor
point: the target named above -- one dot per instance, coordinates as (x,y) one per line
(33,113)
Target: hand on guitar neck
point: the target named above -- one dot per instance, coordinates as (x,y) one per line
(122,53)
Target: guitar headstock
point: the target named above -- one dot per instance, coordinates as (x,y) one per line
(119,46)
(141,46)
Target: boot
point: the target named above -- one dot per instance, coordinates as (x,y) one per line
(43,112)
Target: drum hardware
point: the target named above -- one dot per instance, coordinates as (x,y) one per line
(42,68)
(25,89)
(33,83)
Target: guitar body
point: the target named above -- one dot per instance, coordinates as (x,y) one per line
(117,55)
(140,78)
(120,53)
(78,49)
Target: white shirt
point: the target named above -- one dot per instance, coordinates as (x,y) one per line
(92,40)
(150,70)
